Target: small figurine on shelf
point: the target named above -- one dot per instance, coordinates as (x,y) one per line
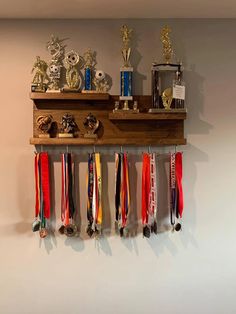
(72,74)
(69,126)
(44,124)
(57,51)
(100,82)
(40,76)
(167,97)
(91,124)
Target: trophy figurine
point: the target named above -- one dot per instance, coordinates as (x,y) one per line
(89,58)
(91,124)
(100,82)
(57,51)
(40,76)
(126,70)
(44,124)
(168,90)
(72,74)
(68,126)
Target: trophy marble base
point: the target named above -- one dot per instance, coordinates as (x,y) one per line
(125,110)
(44,135)
(38,89)
(93,136)
(126,97)
(53,91)
(69,90)
(84,91)
(65,135)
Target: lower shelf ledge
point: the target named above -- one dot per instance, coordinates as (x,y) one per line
(106,141)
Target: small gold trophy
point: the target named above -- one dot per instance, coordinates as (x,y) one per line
(68,126)
(90,61)
(91,124)
(100,82)
(44,124)
(72,74)
(40,76)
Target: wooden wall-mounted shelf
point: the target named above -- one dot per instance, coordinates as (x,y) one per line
(139,129)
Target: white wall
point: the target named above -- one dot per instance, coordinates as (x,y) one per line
(190,272)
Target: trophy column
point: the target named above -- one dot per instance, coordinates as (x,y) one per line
(126,74)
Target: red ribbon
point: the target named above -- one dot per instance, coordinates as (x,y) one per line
(36,173)
(178,171)
(45,184)
(146,184)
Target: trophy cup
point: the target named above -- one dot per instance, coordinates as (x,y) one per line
(44,124)
(168,90)
(100,82)
(68,126)
(57,52)
(91,124)
(40,76)
(89,58)
(126,73)
(72,74)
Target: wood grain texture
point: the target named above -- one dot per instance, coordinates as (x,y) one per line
(162,128)
(71,96)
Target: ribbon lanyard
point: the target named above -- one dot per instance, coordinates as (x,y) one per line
(149,196)
(176,190)
(67,204)
(122,194)
(42,193)
(94,197)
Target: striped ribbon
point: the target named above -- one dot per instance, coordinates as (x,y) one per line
(122,193)
(94,197)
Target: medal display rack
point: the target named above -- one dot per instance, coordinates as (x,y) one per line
(165,127)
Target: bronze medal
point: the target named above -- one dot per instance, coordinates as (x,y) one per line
(178,227)
(43,233)
(62,229)
(70,230)
(36,225)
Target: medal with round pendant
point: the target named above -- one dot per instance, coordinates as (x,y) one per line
(70,230)
(36,225)
(178,227)
(62,229)
(43,233)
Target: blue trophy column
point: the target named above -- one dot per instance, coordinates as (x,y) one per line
(126,74)
(88,79)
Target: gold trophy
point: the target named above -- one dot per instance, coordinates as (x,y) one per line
(91,124)
(72,74)
(90,61)
(44,124)
(40,76)
(68,126)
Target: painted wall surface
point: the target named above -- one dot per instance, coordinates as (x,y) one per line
(190,272)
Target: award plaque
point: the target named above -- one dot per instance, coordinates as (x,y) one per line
(72,74)
(57,51)
(168,90)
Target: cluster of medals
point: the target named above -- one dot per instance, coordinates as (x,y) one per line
(94,194)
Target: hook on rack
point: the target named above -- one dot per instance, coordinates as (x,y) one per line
(94,149)
(67,149)
(121,149)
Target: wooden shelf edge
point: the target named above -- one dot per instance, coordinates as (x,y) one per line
(69,96)
(181,115)
(100,142)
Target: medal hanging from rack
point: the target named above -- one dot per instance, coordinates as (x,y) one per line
(176,190)
(68,226)
(94,197)
(42,194)
(149,194)
(122,193)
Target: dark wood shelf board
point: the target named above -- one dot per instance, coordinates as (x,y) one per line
(69,96)
(110,141)
(162,115)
